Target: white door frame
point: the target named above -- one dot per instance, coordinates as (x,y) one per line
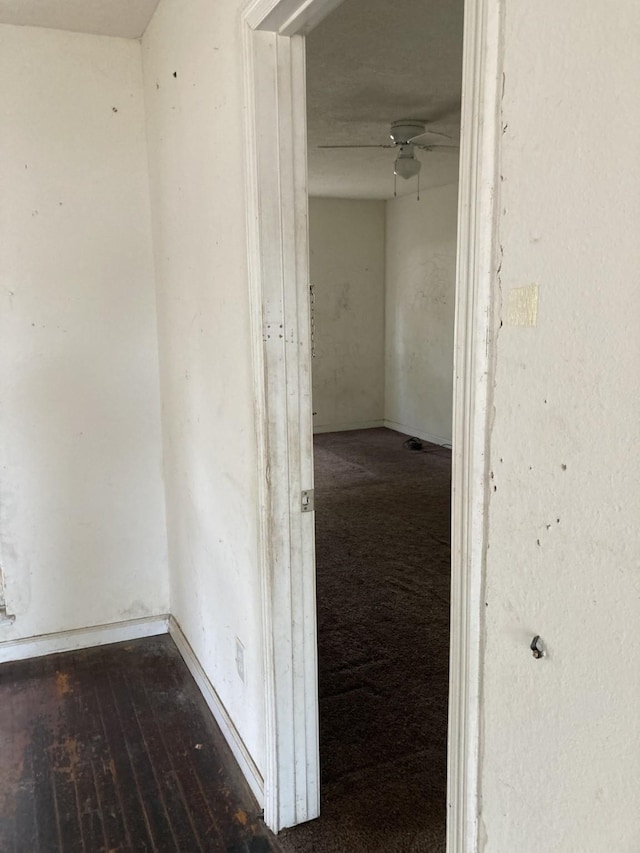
(274,64)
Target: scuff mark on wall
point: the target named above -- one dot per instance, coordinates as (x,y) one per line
(5,616)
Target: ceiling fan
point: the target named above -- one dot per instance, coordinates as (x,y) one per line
(406,135)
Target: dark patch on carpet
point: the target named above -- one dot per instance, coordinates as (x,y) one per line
(383,580)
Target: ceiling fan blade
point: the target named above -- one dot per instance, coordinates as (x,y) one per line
(448,149)
(421,138)
(356,146)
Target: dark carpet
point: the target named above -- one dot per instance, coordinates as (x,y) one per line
(383,579)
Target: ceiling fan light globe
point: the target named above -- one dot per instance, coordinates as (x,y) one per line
(407,167)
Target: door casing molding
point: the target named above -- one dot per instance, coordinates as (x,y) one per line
(276,190)
(476,274)
(277,217)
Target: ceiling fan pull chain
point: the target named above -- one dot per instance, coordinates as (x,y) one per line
(418,198)
(395,183)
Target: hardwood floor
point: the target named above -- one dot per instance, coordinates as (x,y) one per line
(113,749)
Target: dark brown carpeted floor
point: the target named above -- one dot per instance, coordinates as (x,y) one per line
(383,567)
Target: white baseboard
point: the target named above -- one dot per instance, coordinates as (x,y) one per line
(345,427)
(82,638)
(419,433)
(232,736)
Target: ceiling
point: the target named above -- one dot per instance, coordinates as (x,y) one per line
(369,63)
(372,62)
(125,18)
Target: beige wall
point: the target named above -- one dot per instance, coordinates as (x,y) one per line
(420,297)
(347,245)
(193,92)
(82,520)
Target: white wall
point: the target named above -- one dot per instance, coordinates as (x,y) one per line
(561,753)
(561,746)
(420,299)
(384,277)
(347,246)
(193,92)
(560,762)
(82,521)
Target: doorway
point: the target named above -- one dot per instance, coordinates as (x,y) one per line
(277,196)
(382,266)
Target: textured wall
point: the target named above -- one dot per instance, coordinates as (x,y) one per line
(193,94)
(420,299)
(561,753)
(347,271)
(82,524)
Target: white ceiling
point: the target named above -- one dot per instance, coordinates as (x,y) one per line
(372,62)
(369,63)
(125,18)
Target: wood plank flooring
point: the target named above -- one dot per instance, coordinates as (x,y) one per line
(111,750)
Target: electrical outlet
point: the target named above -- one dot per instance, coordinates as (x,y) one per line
(240,660)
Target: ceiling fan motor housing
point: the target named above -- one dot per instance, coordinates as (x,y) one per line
(404,130)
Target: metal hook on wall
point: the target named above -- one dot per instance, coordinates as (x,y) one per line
(536,647)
